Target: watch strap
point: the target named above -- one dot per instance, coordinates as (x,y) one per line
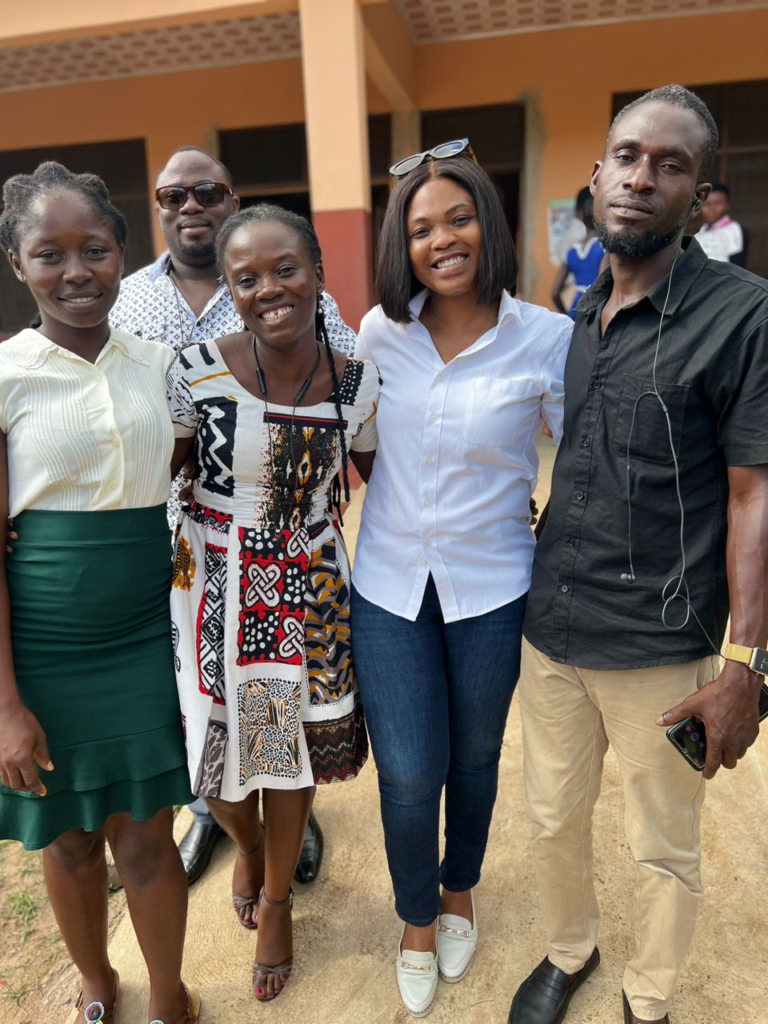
(755,657)
(737,652)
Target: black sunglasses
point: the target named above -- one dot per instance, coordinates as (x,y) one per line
(206,193)
(441,152)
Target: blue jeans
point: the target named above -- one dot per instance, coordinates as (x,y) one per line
(436,698)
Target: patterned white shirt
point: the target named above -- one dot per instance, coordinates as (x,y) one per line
(150,306)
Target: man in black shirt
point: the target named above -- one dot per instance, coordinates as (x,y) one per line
(657,527)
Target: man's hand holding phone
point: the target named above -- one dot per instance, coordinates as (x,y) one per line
(728,707)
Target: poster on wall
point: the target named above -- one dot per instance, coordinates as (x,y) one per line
(564,229)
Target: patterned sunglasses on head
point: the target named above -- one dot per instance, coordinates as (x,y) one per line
(442,152)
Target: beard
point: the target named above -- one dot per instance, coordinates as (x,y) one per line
(194,254)
(625,242)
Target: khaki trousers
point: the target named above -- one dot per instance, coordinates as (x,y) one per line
(570,715)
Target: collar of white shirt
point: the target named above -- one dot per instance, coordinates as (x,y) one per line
(36,348)
(508,308)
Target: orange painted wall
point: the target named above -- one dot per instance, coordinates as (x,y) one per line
(568,77)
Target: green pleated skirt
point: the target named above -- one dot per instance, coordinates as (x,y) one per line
(92,649)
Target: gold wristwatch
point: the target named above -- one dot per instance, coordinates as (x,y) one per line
(755,657)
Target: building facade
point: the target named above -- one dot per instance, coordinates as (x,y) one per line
(309,101)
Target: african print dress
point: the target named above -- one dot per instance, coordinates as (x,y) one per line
(260,598)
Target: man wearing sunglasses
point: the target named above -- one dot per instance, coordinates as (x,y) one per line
(179,300)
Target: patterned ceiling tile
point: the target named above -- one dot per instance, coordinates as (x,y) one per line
(179,48)
(278,36)
(432,21)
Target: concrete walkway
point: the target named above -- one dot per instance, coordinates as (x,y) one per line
(346,932)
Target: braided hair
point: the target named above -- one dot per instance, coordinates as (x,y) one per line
(23,191)
(268,213)
(322,334)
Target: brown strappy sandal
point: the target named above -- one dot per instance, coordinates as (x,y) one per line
(96,1012)
(261,972)
(242,903)
(192,1013)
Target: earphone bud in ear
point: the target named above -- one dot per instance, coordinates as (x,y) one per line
(695,206)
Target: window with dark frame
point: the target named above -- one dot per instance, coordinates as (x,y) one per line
(269,165)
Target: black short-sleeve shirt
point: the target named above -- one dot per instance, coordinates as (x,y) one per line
(712,376)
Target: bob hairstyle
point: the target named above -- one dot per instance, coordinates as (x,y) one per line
(396,283)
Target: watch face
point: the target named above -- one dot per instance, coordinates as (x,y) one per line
(760,661)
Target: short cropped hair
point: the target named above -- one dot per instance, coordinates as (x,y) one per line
(721,188)
(679,96)
(196,149)
(22,191)
(396,283)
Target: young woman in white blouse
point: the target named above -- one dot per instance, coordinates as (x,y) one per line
(91,744)
(443,562)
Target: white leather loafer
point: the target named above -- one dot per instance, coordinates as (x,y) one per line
(417,980)
(456,944)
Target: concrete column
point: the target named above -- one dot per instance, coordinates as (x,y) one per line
(337,142)
(406,133)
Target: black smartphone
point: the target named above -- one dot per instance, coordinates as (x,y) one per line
(689,737)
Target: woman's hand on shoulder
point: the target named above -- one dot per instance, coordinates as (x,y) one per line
(23,746)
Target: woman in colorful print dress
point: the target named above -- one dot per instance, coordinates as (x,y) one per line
(260,599)
(87,689)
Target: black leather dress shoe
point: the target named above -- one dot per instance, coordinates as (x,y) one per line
(628,1010)
(311,853)
(196,848)
(544,996)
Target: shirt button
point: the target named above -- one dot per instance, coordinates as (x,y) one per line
(579,495)
(564,589)
(571,542)
(429,543)
(424,561)
(432,418)
(439,376)
(427,503)
(585,442)
(596,385)
(113,485)
(99,376)
(430,461)
(115,442)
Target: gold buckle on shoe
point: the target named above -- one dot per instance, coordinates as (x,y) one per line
(455,931)
(424,968)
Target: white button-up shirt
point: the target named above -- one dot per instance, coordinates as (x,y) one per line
(721,240)
(456,463)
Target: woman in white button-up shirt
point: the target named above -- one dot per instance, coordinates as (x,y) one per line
(443,563)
